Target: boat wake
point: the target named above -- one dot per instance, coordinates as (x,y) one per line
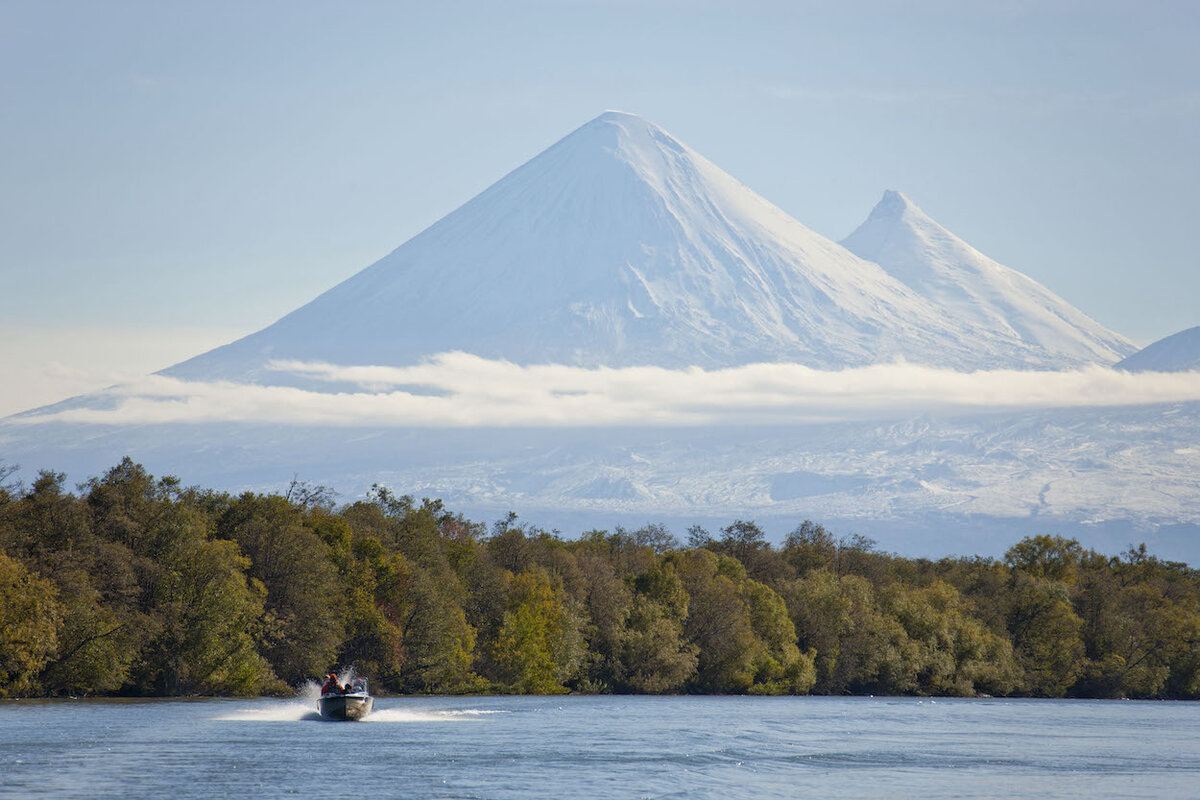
(304,709)
(288,711)
(422,715)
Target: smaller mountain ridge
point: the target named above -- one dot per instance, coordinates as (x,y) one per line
(1179,352)
(1037,326)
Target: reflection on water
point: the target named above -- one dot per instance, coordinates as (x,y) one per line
(654,747)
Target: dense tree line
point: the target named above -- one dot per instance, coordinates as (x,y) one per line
(139,586)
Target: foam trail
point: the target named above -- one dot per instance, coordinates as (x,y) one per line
(293,710)
(421,715)
(302,710)
(301,707)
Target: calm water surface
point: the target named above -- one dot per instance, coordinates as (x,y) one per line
(603,747)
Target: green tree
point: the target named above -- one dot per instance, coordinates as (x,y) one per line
(743,540)
(1138,642)
(302,624)
(416,553)
(1045,634)
(779,666)
(539,647)
(655,657)
(657,537)
(97,642)
(955,654)
(858,647)
(1050,557)
(45,522)
(439,644)
(29,620)
(607,601)
(372,642)
(810,546)
(717,624)
(208,611)
(655,654)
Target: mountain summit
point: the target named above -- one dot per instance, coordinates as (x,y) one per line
(619,246)
(1014,311)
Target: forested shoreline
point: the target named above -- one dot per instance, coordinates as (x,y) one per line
(139,586)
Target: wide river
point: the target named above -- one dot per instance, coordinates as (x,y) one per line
(603,747)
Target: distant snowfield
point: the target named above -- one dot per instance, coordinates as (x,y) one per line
(459,389)
(925,484)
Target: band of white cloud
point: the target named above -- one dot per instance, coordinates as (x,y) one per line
(459,389)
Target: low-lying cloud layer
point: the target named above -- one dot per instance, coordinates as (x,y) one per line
(458,389)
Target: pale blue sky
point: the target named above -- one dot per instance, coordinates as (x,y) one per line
(176,174)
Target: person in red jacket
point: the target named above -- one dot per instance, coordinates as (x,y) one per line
(331,685)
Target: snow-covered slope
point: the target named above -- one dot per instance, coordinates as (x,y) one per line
(1179,352)
(621,246)
(1017,314)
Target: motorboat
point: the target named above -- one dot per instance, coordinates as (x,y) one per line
(353,704)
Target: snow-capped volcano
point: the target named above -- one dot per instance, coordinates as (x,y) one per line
(621,246)
(1018,315)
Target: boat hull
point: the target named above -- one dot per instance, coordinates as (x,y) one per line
(345,706)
